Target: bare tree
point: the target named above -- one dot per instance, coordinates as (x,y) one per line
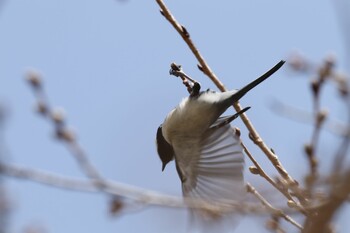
(315,200)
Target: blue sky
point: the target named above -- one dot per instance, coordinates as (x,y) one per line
(106,63)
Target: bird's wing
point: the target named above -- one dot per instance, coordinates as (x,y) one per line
(218,170)
(216,175)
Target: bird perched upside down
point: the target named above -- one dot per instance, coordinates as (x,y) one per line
(207,152)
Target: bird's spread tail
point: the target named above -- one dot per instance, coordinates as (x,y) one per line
(240,93)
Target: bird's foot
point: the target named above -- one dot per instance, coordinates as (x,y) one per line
(193,87)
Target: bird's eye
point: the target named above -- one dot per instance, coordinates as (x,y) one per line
(208,89)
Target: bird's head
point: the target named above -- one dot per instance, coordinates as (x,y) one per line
(164,149)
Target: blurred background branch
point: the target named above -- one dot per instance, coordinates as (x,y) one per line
(5,202)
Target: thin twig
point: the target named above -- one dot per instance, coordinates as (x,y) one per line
(319,221)
(62,132)
(320,215)
(257,169)
(319,118)
(272,209)
(186,37)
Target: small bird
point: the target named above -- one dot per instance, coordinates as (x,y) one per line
(207,151)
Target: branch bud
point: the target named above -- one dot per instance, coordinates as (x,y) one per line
(309,150)
(41,107)
(291,204)
(237,132)
(185,32)
(34,79)
(315,87)
(254,170)
(57,115)
(321,116)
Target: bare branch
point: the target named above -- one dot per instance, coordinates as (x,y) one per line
(258,170)
(317,84)
(47,178)
(186,37)
(138,195)
(57,118)
(273,210)
(319,221)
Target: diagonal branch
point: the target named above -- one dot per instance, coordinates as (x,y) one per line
(204,67)
(63,133)
(258,170)
(273,210)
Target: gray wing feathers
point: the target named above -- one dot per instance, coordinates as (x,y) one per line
(219,167)
(219,176)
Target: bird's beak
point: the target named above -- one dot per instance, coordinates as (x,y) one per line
(163,166)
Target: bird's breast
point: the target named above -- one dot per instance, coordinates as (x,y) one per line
(190,119)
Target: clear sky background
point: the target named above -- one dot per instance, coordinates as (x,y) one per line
(106,63)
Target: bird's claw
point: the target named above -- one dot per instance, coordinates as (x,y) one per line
(193,87)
